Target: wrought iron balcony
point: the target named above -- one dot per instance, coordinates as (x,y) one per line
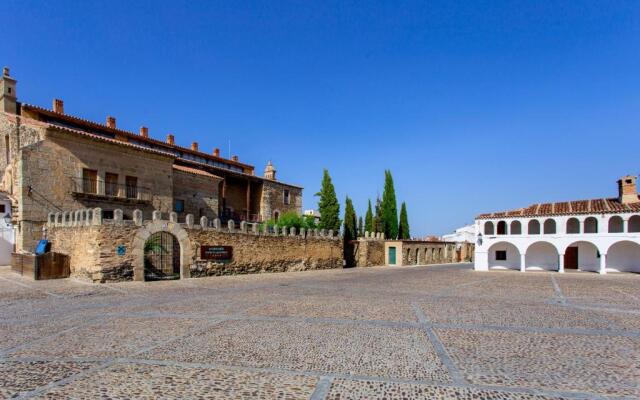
(98,189)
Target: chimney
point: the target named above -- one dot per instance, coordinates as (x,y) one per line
(194,146)
(627,189)
(111,122)
(171,139)
(234,158)
(144,131)
(216,152)
(58,106)
(8,95)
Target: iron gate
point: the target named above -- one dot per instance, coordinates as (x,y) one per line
(161,257)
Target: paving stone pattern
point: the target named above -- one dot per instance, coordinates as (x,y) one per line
(435,332)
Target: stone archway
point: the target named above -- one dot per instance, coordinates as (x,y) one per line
(145,233)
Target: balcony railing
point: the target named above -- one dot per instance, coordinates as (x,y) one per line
(110,190)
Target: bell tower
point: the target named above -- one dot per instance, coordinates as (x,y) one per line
(8,95)
(270,171)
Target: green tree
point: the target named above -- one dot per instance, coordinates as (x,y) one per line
(291,219)
(403,230)
(368,219)
(377,219)
(328,205)
(360,227)
(389,208)
(350,232)
(350,224)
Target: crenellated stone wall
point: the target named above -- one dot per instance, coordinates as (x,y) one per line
(104,250)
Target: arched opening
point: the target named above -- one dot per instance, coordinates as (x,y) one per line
(534,227)
(591,225)
(541,256)
(417,260)
(502,228)
(516,228)
(488,228)
(624,257)
(634,224)
(583,256)
(615,224)
(573,225)
(161,257)
(504,255)
(549,227)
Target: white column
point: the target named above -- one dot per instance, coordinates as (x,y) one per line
(522,259)
(625,225)
(603,264)
(561,263)
(582,226)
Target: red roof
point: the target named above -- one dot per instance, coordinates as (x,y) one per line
(596,206)
(194,171)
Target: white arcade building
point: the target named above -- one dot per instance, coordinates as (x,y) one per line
(601,235)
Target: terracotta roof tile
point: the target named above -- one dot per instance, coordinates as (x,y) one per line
(194,171)
(595,206)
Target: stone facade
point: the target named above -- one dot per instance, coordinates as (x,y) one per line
(51,161)
(113,250)
(369,252)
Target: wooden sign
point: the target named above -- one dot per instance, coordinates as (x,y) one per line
(216,253)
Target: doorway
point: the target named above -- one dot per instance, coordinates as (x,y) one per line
(571,257)
(392,256)
(161,257)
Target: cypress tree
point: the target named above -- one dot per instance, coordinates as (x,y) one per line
(403,231)
(360,227)
(328,205)
(350,223)
(377,219)
(368,219)
(389,208)
(350,232)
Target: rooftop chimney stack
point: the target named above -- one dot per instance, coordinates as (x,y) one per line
(171,139)
(628,189)
(111,122)
(8,95)
(234,158)
(216,152)
(194,146)
(58,106)
(144,131)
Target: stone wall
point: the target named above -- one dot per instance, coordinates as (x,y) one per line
(199,192)
(93,243)
(369,252)
(273,199)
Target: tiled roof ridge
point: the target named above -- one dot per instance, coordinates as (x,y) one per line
(627,207)
(194,171)
(132,134)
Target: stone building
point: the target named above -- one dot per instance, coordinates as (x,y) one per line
(599,235)
(51,161)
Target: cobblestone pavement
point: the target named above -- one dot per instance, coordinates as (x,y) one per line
(433,332)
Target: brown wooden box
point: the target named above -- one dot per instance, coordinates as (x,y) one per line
(46,266)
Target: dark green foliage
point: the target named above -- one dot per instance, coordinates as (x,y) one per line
(377,219)
(389,208)
(350,232)
(360,227)
(328,205)
(404,223)
(368,219)
(291,219)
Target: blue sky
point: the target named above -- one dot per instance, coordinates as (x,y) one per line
(475,106)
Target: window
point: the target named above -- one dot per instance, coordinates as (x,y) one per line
(110,184)
(89,181)
(2,209)
(131,186)
(501,255)
(178,205)
(287,197)
(7,148)
(107,214)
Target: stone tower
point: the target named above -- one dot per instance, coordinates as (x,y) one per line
(8,95)
(627,189)
(270,171)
